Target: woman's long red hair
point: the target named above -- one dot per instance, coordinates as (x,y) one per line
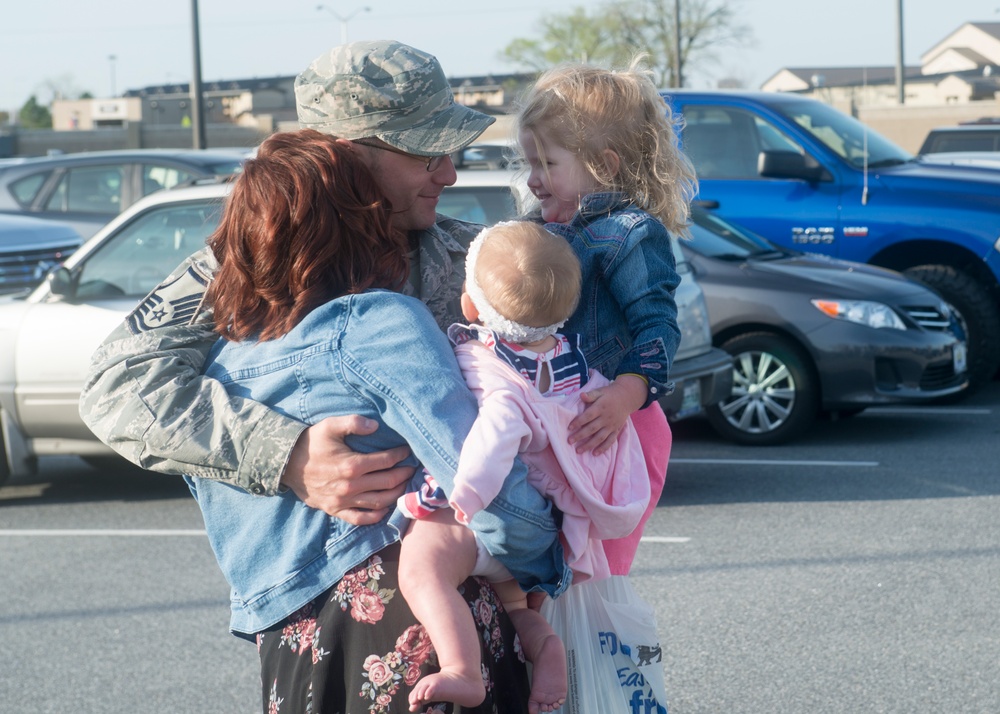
(304,224)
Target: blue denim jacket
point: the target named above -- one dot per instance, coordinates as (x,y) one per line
(627,314)
(381,355)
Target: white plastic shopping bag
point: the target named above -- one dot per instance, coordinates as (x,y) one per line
(613,650)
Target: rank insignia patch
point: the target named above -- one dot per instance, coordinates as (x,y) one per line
(157,310)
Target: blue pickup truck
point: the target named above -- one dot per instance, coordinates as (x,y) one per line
(809,177)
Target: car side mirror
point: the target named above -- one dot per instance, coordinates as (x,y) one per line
(60,282)
(791,165)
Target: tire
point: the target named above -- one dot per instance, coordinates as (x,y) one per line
(775,394)
(978,314)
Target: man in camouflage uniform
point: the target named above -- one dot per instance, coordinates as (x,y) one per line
(145,396)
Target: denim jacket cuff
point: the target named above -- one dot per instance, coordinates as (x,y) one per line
(657,390)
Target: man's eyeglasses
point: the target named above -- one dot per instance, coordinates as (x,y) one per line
(433,163)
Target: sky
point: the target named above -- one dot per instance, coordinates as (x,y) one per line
(107,47)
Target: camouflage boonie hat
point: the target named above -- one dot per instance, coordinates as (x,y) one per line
(388,90)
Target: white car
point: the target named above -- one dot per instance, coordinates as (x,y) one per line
(47,337)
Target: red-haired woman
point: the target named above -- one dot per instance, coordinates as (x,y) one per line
(307,303)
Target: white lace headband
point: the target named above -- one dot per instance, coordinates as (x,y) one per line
(507,329)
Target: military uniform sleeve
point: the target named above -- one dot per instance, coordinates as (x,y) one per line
(146,397)
(437,273)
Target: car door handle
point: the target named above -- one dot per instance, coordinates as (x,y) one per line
(708,204)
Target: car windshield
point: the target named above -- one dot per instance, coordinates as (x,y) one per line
(134,260)
(714,238)
(845,135)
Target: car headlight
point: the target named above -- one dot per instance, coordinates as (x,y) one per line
(862,312)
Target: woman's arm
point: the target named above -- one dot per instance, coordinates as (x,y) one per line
(411,375)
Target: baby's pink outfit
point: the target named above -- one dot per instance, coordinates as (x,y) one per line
(600,496)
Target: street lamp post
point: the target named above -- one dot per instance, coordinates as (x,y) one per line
(343,19)
(111,59)
(900,64)
(197,115)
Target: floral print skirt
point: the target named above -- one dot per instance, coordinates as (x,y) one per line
(358,649)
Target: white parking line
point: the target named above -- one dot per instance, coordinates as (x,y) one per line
(664,539)
(972,411)
(77,532)
(774,462)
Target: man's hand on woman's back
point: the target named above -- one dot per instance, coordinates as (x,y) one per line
(327,475)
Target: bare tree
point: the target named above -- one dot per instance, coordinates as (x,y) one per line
(620,29)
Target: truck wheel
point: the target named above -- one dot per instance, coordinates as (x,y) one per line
(978,315)
(775,395)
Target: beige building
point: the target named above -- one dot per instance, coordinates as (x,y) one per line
(238,113)
(958,80)
(262,104)
(87,114)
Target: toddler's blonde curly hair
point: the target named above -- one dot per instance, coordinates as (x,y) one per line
(588,110)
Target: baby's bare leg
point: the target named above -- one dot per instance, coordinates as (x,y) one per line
(437,555)
(542,647)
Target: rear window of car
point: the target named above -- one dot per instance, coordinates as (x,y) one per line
(950,141)
(225,168)
(156,177)
(90,189)
(24,190)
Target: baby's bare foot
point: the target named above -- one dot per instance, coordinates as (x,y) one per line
(448,686)
(548,677)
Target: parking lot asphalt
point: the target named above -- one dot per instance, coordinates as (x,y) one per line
(855,570)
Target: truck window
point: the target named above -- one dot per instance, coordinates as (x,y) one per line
(722,143)
(773,139)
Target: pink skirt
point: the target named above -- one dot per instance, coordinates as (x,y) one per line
(656,439)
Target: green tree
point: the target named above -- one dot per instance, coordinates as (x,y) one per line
(34,115)
(619,29)
(573,37)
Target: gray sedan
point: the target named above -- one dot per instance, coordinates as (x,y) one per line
(816,336)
